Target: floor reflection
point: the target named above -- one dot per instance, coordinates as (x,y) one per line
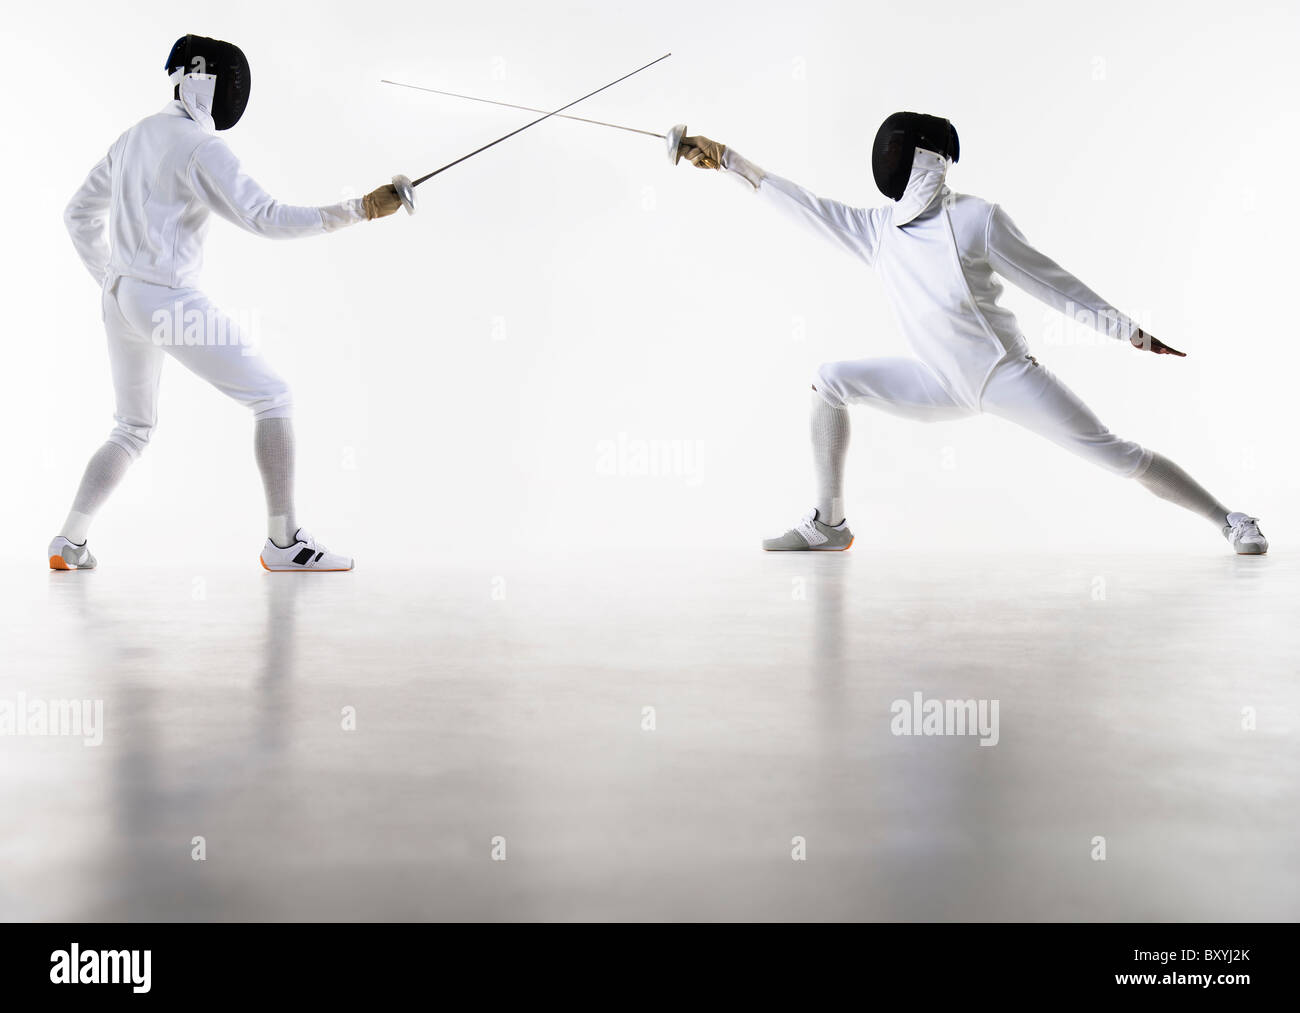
(1119,716)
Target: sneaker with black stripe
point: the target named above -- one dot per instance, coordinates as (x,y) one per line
(304,554)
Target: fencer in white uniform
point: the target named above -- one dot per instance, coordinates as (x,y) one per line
(138,223)
(939,255)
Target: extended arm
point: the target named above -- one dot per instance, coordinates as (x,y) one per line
(1011,256)
(86,218)
(219,181)
(856,229)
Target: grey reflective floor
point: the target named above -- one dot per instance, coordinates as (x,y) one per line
(1152,701)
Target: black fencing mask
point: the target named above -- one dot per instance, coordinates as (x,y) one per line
(896,143)
(195,54)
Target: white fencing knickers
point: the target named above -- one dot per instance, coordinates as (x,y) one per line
(146,322)
(1019,390)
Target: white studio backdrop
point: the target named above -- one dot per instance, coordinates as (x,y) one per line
(567,311)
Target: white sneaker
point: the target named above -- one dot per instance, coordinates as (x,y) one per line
(66,555)
(810,534)
(303,554)
(1243,532)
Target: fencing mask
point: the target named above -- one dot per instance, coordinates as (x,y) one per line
(896,143)
(213,75)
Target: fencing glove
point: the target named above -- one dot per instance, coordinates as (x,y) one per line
(382,202)
(701,152)
(1150,343)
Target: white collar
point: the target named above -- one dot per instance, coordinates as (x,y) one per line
(196,93)
(925,184)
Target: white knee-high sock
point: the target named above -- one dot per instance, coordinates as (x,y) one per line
(273,447)
(1168,481)
(830,440)
(104,471)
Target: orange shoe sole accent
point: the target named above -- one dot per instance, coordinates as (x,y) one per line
(57,563)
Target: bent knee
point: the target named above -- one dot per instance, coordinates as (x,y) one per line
(131,438)
(828,381)
(272,403)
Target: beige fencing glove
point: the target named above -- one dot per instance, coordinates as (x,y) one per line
(382,202)
(701,152)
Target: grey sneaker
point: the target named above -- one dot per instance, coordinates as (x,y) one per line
(66,555)
(1244,534)
(810,534)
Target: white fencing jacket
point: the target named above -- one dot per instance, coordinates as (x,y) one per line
(937,253)
(143,210)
